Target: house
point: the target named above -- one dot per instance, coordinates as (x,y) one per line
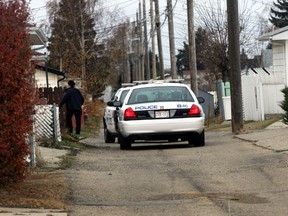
(262,83)
(261,86)
(279,41)
(45,77)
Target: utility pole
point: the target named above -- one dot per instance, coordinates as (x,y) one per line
(234,63)
(171,39)
(154,74)
(133,52)
(147,61)
(159,39)
(138,62)
(141,74)
(192,47)
(126,72)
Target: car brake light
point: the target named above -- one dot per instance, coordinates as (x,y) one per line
(194,111)
(129,113)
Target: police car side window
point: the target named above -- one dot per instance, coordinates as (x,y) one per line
(187,96)
(123,95)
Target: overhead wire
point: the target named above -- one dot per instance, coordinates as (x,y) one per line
(177,11)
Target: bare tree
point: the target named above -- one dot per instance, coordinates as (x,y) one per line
(213,20)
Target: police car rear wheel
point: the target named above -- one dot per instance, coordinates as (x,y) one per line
(125,143)
(108,137)
(197,139)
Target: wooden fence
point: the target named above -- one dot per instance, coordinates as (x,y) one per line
(53,96)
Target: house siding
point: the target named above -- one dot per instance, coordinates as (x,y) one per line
(278,59)
(286,64)
(40,78)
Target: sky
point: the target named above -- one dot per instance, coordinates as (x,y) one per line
(128,8)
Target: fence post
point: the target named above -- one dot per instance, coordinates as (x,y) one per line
(55,124)
(32,145)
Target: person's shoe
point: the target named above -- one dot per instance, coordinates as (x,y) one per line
(79,137)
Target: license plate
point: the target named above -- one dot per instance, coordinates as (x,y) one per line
(161,114)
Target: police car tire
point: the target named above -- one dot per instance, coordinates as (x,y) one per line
(108,137)
(197,139)
(125,143)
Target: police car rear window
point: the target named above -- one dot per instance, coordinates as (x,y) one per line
(160,94)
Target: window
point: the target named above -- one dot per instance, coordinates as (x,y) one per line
(123,95)
(160,94)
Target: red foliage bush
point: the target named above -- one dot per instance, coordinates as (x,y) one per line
(17,91)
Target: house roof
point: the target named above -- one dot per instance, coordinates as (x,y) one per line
(37,36)
(50,70)
(278,34)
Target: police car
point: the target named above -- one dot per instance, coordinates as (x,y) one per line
(110,132)
(160,111)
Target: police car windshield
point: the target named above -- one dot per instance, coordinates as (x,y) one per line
(160,94)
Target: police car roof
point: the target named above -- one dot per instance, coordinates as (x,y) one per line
(158,85)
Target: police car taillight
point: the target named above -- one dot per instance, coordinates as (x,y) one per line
(129,113)
(194,111)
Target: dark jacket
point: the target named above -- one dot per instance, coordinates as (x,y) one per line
(73,99)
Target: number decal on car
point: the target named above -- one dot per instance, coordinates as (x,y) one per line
(182,106)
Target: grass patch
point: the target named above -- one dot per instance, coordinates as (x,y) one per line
(254,125)
(248,125)
(91,126)
(42,189)
(66,161)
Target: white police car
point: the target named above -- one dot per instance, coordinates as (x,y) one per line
(160,111)
(110,132)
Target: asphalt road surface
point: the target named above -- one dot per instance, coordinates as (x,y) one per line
(226,177)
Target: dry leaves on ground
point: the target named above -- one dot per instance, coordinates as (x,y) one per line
(42,189)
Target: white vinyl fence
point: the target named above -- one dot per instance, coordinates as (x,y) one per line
(46,122)
(261,97)
(46,126)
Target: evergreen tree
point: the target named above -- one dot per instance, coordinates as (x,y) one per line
(182,62)
(279,14)
(72,41)
(68,25)
(284,105)
(201,38)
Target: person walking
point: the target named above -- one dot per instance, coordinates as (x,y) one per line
(74,101)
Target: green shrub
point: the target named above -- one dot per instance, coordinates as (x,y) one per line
(284,105)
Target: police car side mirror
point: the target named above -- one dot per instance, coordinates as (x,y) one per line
(201,100)
(110,103)
(117,104)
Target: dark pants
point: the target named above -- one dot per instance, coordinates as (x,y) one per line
(77,114)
